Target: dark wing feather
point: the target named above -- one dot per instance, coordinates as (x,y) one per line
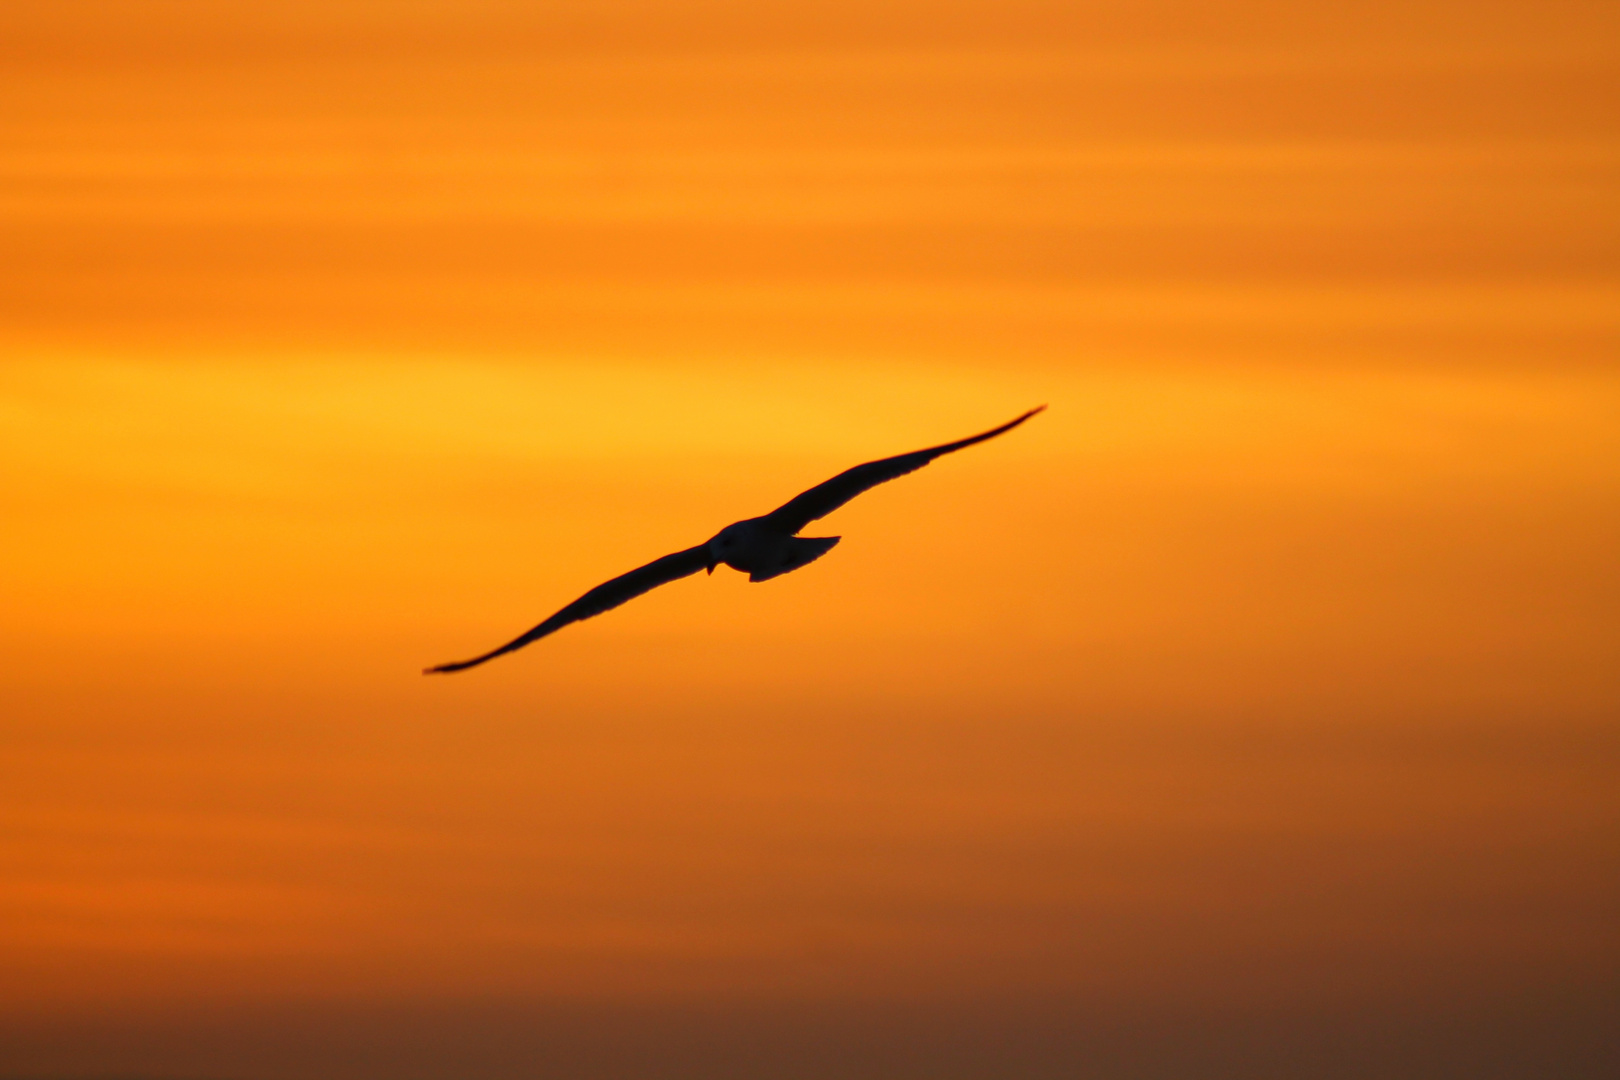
(604,597)
(824,498)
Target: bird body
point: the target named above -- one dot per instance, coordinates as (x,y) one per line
(763,552)
(761,547)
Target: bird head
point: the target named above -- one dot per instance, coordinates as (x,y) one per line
(726,543)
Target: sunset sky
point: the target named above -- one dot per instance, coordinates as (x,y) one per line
(1254,711)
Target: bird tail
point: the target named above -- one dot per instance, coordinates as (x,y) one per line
(797,551)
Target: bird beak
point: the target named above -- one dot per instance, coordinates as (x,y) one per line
(711,568)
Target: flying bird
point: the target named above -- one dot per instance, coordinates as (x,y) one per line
(762,547)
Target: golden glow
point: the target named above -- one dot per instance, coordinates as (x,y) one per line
(1276,661)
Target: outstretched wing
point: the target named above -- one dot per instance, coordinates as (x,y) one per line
(823,499)
(604,597)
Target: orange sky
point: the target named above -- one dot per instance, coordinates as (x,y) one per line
(1270,676)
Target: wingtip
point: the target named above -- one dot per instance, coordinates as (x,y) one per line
(1009,425)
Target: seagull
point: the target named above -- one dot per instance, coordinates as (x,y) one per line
(762,547)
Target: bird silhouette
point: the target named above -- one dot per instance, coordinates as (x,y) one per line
(762,547)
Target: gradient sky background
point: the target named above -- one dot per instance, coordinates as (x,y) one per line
(1252,712)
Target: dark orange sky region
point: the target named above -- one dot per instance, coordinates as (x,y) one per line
(1252,712)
